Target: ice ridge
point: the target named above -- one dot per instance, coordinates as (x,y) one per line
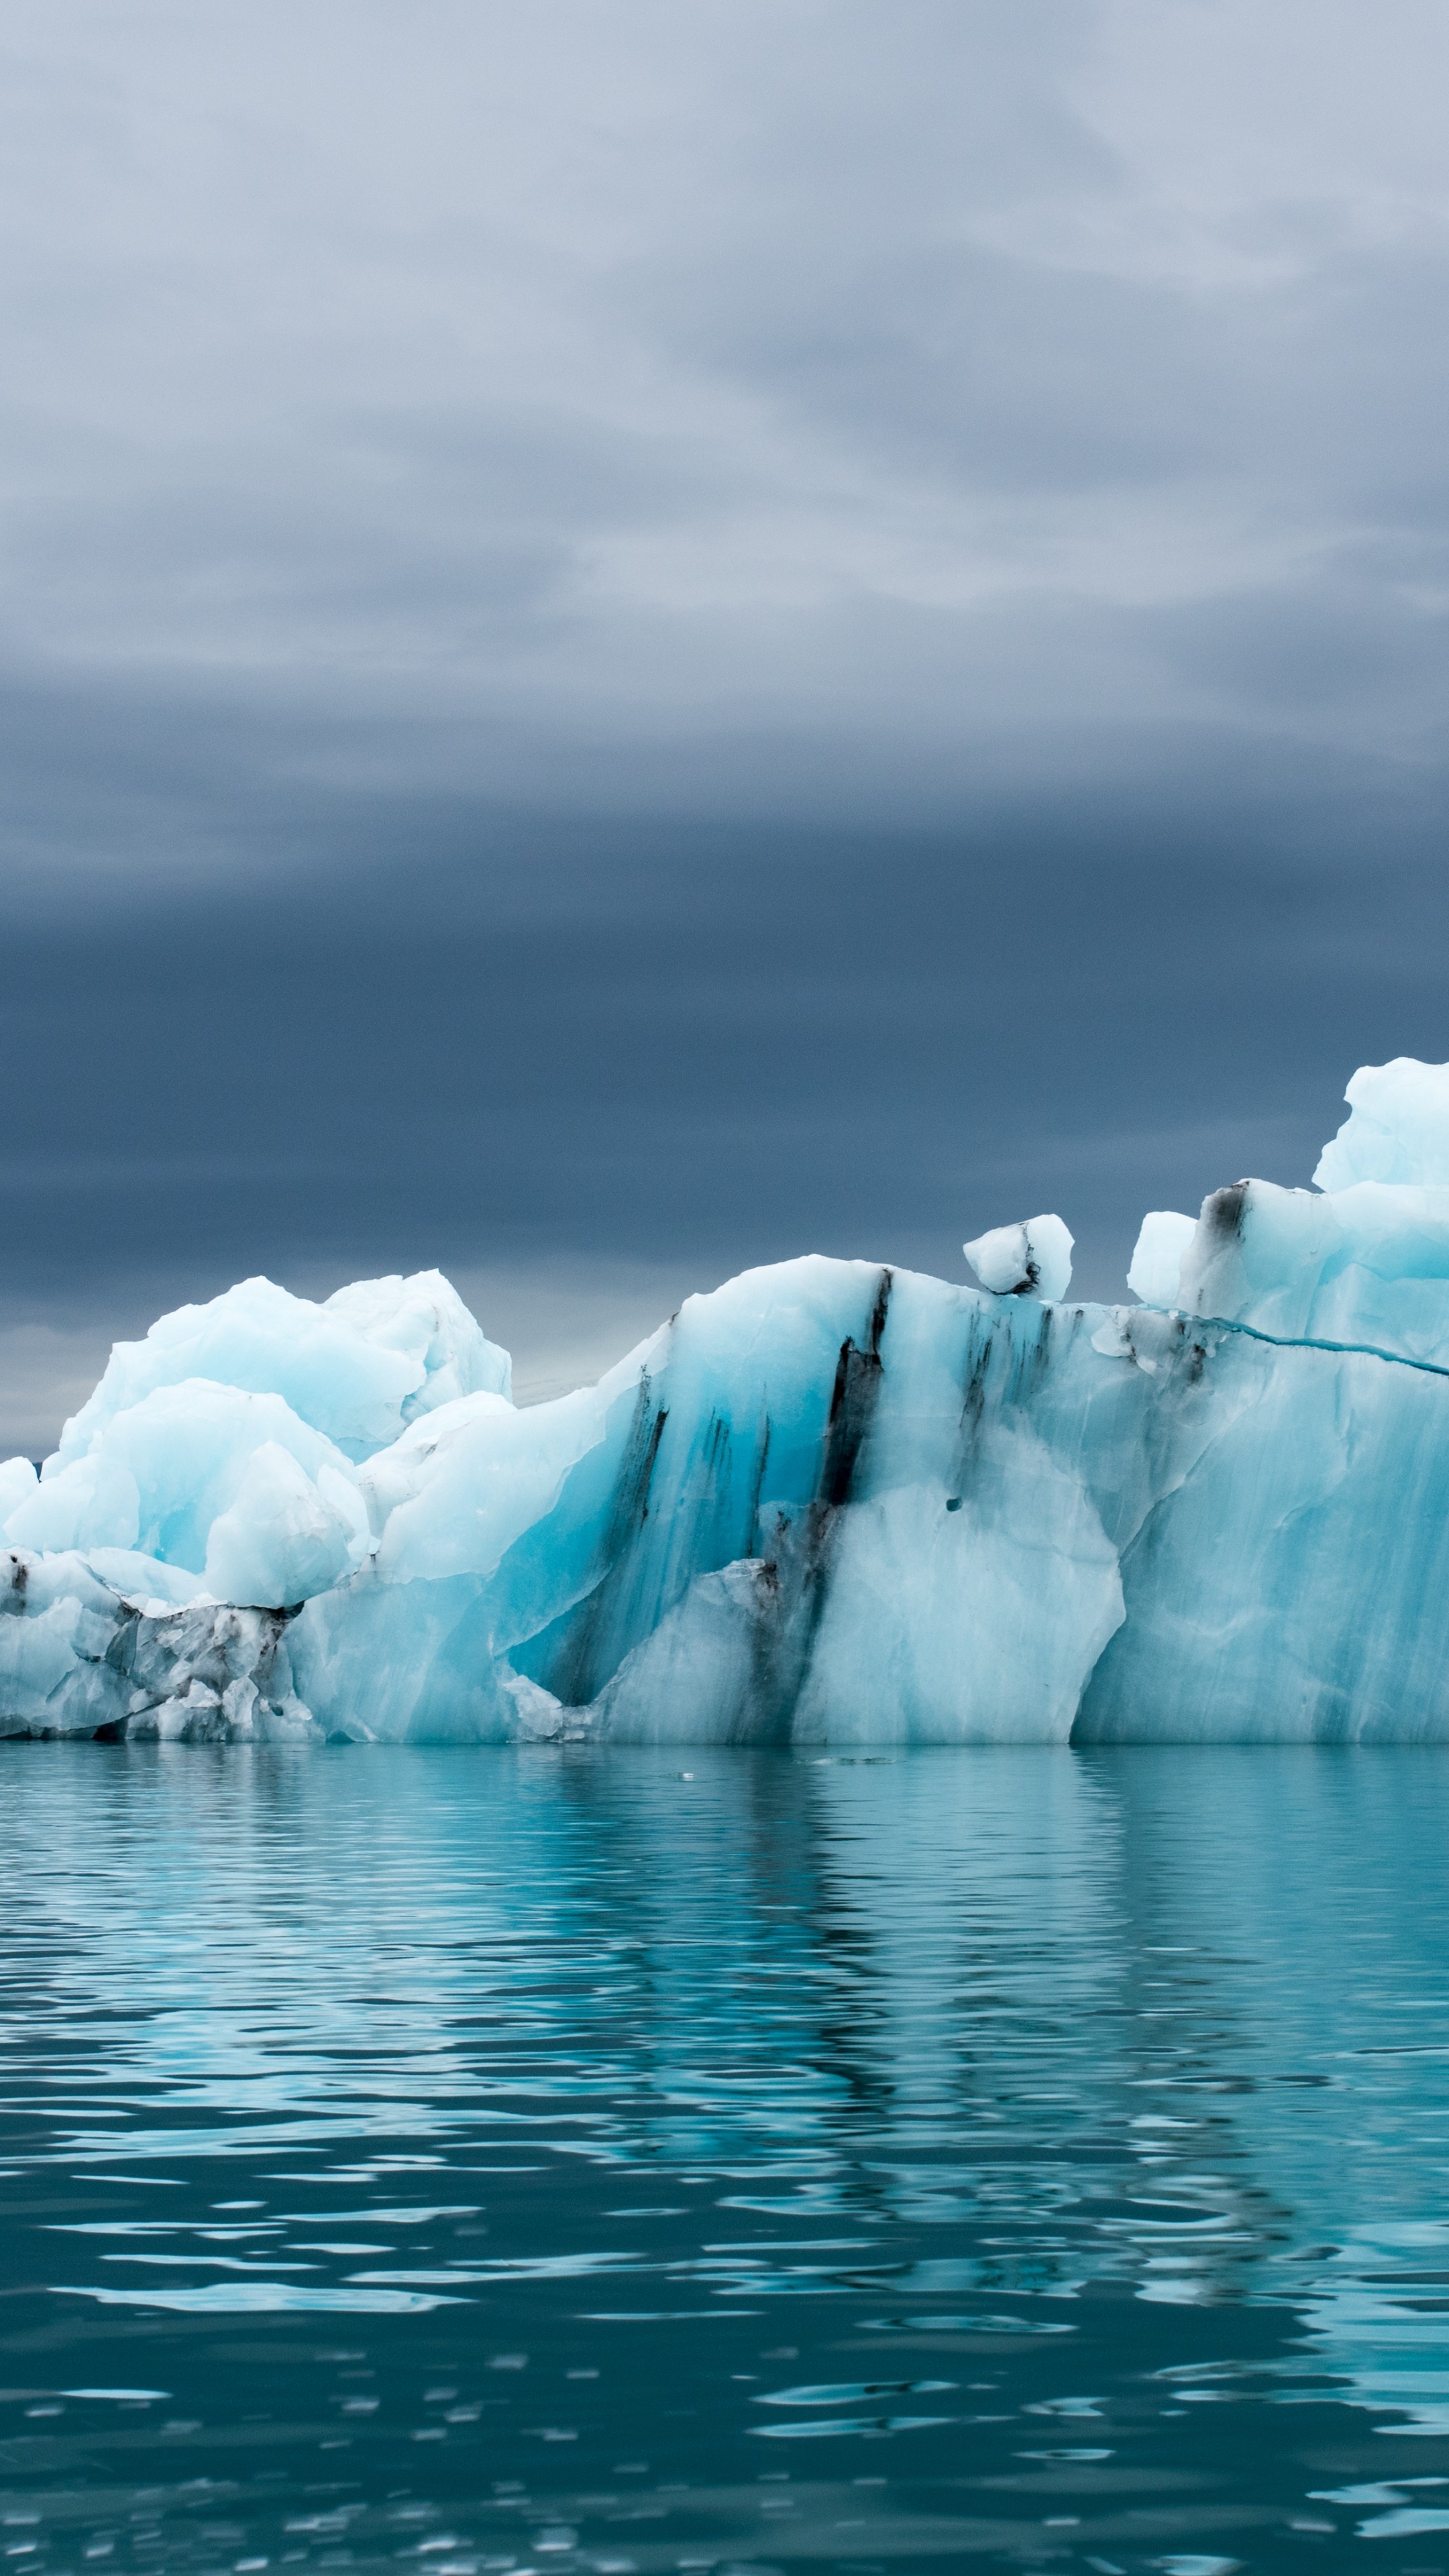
(831,1502)
(1314,1342)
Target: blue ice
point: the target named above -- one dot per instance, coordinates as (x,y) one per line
(831,1502)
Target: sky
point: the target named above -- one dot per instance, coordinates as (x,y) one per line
(635,640)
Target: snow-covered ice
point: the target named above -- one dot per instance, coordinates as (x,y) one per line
(831,1502)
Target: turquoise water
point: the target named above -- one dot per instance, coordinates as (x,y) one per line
(461,2161)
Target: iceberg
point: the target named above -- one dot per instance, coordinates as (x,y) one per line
(832,1502)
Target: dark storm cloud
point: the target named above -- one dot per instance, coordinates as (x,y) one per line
(646,637)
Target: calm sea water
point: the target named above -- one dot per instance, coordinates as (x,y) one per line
(461,2161)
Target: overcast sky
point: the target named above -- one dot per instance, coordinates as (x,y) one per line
(637,638)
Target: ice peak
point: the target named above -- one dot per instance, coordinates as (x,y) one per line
(1030,1259)
(1397,1129)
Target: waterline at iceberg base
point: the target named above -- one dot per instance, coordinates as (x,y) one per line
(832,1502)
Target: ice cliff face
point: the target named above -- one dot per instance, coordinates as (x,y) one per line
(830,1502)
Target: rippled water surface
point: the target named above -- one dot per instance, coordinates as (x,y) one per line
(480,2160)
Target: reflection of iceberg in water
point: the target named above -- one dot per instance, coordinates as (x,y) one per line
(831,1503)
(1180,2026)
(1377,2182)
(1310,1888)
(1384,2320)
(986,2047)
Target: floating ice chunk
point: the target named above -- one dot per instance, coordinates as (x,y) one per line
(1031,1259)
(1397,1129)
(18,1480)
(1155,1275)
(358,1368)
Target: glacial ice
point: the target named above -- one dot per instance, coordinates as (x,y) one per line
(1156,1272)
(18,1481)
(359,1368)
(1030,1259)
(832,1502)
(1397,1128)
(178,1475)
(1366,1268)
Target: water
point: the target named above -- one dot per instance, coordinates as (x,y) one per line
(457,2161)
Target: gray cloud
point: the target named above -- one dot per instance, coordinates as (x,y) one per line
(634,638)
(597,383)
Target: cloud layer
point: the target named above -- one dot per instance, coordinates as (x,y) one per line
(562,399)
(656,634)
